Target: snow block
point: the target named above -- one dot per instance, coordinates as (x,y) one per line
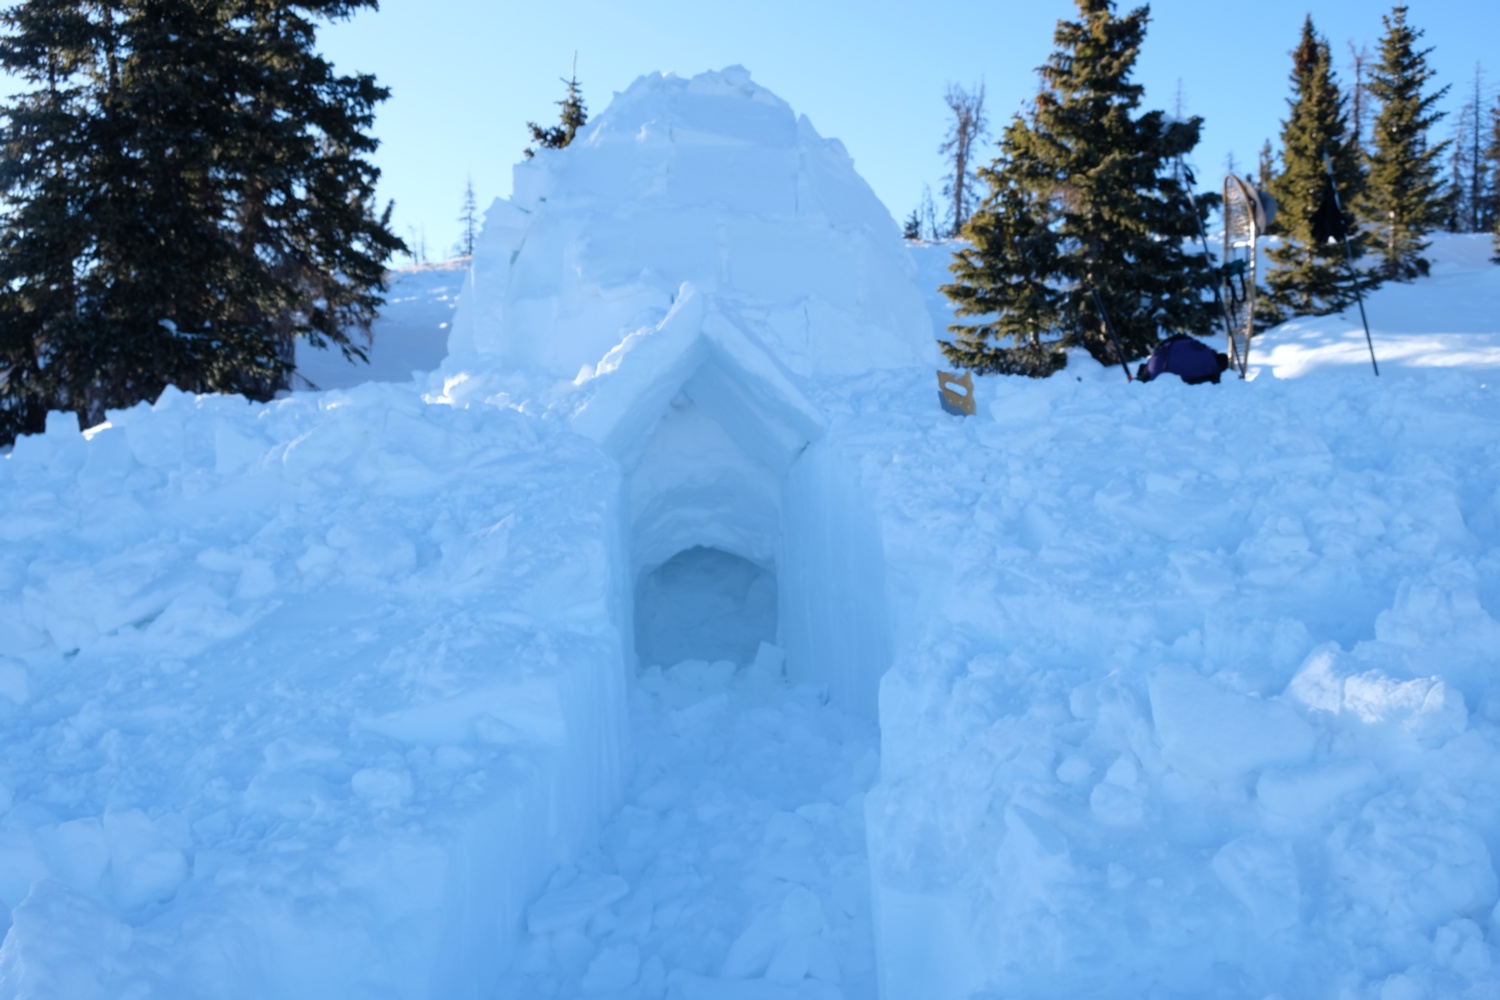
(1213,733)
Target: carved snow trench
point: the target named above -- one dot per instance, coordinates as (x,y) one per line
(736,866)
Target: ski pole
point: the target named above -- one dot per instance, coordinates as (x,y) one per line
(1349,257)
(1109,328)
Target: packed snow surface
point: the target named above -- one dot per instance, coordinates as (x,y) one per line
(737,866)
(661,644)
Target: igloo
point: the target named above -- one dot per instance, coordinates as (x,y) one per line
(370,651)
(678,283)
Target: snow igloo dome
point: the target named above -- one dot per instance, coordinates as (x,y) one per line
(713,182)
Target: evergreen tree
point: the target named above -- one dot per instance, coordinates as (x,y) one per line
(1114,200)
(469,218)
(1309,276)
(48,45)
(911,229)
(1004,276)
(1403,197)
(185,194)
(574,116)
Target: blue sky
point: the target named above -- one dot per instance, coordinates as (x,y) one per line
(466,75)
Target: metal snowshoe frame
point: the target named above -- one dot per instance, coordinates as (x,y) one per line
(1244,222)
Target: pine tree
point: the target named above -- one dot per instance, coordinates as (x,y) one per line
(1404,195)
(911,229)
(469,218)
(43,339)
(1307,276)
(1004,276)
(574,116)
(1118,209)
(185,194)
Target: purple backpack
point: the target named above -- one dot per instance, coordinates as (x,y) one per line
(1186,357)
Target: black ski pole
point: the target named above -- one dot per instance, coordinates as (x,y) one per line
(1349,257)
(1109,328)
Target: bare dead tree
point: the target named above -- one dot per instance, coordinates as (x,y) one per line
(1476,158)
(968,126)
(1359,108)
(929,214)
(1469,187)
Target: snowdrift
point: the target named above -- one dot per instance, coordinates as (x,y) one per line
(1181,691)
(1194,692)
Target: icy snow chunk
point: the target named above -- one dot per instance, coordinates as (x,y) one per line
(529,706)
(21,861)
(372,551)
(1074,770)
(769,659)
(1037,849)
(1304,792)
(778,936)
(1415,859)
(575,904)
(1116,800)
(290,753)
(234,449)
(289,794)
(1262,874)
(145,866)
(1427,707)
(1211,732)
(78,851)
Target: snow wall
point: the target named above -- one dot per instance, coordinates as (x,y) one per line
(298,700)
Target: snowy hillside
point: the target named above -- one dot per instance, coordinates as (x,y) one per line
(409,336)
(669,641)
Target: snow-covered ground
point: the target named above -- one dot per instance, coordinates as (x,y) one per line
(667,640)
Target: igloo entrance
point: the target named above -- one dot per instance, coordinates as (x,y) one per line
(704,604)
(721,457)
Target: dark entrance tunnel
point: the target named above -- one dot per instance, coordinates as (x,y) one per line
(704,604)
